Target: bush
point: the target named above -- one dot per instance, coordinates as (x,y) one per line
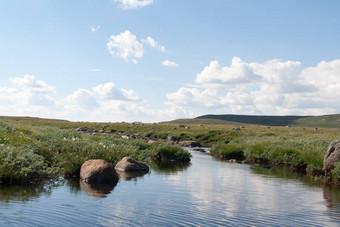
(21,164)
(168,152)
(336,171)
(257,152)
(228,151)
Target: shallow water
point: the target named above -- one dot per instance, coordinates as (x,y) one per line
(208,192)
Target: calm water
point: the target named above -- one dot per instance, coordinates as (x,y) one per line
(206,193)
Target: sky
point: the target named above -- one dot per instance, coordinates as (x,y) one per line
(158,60)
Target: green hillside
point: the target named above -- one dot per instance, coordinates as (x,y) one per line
(255,119)
(325,121)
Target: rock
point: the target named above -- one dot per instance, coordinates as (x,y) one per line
(128,164)
(181,126)
(233,160)
(98,171)
(152,141)
(246,162)
(332,156)
(199,149)
(171,138)
(189,143)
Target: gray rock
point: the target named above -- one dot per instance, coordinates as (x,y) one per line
(98,171)
(332,156)
(128,164)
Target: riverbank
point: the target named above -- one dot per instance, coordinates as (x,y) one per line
(64,145)
(30,154)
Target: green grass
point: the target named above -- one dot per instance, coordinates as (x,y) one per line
(228,151)
(295,147)
(31,154)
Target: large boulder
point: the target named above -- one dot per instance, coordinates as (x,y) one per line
(128,164)
(189,143)
(332,156)
(98,171)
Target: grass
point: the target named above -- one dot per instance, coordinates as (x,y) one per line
(30,154)
(294,147)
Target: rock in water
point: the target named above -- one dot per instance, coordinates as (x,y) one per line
(128,164)
(98,171)
(332,156)
(189,143)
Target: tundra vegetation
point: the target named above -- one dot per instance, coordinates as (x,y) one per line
(31,147)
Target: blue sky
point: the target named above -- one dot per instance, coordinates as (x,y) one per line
(154,60)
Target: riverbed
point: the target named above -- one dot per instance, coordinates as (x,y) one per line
(206,192)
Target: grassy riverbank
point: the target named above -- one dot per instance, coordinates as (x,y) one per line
(29,154)
(299,148)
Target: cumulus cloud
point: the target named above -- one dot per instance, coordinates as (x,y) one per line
(110,91)
(126,46)
(154,44)
(169,63)
(238,72)
(133,4)
(28,96)
(82,98)
(273,87)
(31,83)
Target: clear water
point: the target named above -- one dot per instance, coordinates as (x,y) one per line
(206,193)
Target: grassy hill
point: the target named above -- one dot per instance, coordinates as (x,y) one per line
(325,121)
(255,119)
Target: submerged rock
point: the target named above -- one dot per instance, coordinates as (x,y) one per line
(98,171)
(128,164)
(332,156)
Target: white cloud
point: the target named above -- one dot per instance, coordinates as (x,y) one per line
(110,91)
(82,98)
(169,63)
(154,44)
(274,87)
(238,72)
(31,83)
(133,4)
(126,46)
(95,29)
(29,96)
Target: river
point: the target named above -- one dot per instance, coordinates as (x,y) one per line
(208,192)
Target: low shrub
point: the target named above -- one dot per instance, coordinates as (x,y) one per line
(20,164)
(257,152)
(228,151)
(169,152)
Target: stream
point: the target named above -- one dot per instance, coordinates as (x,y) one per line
(206,192)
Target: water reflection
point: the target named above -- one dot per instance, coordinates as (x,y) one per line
(331,196)
(24,193)
(91,189)
(128,176)
(169,168)
(283,173)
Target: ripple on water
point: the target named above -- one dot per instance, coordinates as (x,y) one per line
(206,193)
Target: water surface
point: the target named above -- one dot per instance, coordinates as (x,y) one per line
(207,192)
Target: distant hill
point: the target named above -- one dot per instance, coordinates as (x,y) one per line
(256,119)
(326,121)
